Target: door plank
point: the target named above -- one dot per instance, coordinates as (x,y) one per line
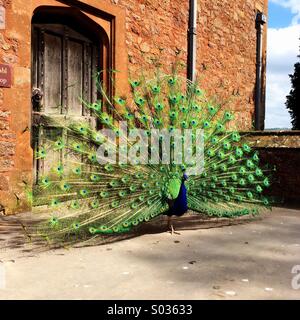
(53,71)
(87,76)
(75,77)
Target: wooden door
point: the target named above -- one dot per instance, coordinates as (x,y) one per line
(64,65)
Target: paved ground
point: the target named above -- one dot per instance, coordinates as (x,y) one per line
(211,259)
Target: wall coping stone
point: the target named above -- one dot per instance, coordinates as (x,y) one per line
(289,139)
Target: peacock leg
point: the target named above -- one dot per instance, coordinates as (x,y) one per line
(171,227)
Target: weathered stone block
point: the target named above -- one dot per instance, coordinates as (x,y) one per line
(7,149)
(6,165)
(4,186)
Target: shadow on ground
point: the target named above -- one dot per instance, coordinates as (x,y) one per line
(14,230)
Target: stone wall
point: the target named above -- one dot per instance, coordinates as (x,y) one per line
(155,30)
(227,53)
(144,30)
(226,41)
(15,151)
(280,150)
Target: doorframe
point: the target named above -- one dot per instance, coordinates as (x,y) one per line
(111,21)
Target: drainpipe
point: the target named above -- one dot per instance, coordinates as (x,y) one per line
(191,63)
(259,22)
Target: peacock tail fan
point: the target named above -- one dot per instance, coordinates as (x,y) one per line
(111,175)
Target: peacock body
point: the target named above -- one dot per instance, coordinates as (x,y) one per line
(97,190)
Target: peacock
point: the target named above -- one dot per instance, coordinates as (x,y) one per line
(127,169)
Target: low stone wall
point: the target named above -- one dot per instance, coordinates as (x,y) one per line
(280,149)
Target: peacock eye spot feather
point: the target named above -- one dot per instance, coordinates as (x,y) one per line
(171,81)
(198,91)
(135,83)
(108,167)
(76,226)
(206,124)
(139,175)
(53,221)
(132,188)
(134,206)
(228,116)
(92,230)
(234,177)
(155,89)
(223,168)
(54,202)
(104,228)
(103,194)
(249,194)
(184,124)
(266,182)
(258,172)
(126,224)
(259,189)
(266,201)
(122,194)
